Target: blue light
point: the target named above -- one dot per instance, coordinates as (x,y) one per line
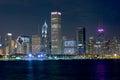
(38,55)
(30,55)
(41,55)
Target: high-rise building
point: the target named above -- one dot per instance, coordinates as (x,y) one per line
(100,34)
(36,41)
(8,40)
(26,44)
(81,40)
(44,44)
(91,45)
(56,33)
(23,44)
(99,40)
(19,46)
(12,47)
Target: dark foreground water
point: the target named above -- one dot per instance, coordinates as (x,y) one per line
(60,70)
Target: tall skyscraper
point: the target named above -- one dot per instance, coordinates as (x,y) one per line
(56,33)
(8,40)
(99,40)
(44,45)
(81,40)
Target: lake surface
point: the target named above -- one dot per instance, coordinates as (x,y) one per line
(60,70)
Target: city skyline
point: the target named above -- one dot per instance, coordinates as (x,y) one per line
(23,17)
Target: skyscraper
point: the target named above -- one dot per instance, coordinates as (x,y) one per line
(99,40)
(20,46)
(8,39)
(91,45)
(26,44)
(36,41)
(23,44)
(44,45)
(81,40)
(56,33)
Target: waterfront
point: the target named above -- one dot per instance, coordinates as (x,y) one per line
(60,69)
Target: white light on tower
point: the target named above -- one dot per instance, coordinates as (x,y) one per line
(53,13)
(9,34)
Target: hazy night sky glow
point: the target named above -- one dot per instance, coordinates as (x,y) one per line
(21,17)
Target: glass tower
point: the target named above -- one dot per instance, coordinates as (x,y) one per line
(81,40)
(56,33)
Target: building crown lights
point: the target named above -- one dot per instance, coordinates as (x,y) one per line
(54,13)
(9,34)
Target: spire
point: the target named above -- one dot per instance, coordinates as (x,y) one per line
(44,29)
(45,25)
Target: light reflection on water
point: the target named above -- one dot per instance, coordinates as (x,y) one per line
(101,71)
(60,70)
(30,71)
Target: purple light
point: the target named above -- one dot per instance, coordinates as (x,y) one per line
(100,30)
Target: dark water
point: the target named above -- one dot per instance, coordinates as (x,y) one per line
(60,70)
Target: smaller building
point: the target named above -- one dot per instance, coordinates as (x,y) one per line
(69,47)
(36,41)
(7,45)
(81,40)
(91,43)
(23,45)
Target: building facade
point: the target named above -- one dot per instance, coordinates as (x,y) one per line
(8,45)
(36,41)
(23,45)
(69,47)
(56,33)
(81,40)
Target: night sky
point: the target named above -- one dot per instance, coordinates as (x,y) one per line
(21,17)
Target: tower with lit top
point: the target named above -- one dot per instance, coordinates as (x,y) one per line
(44,46)
(55,32)
(100,35)
(8,39)
(100,40)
